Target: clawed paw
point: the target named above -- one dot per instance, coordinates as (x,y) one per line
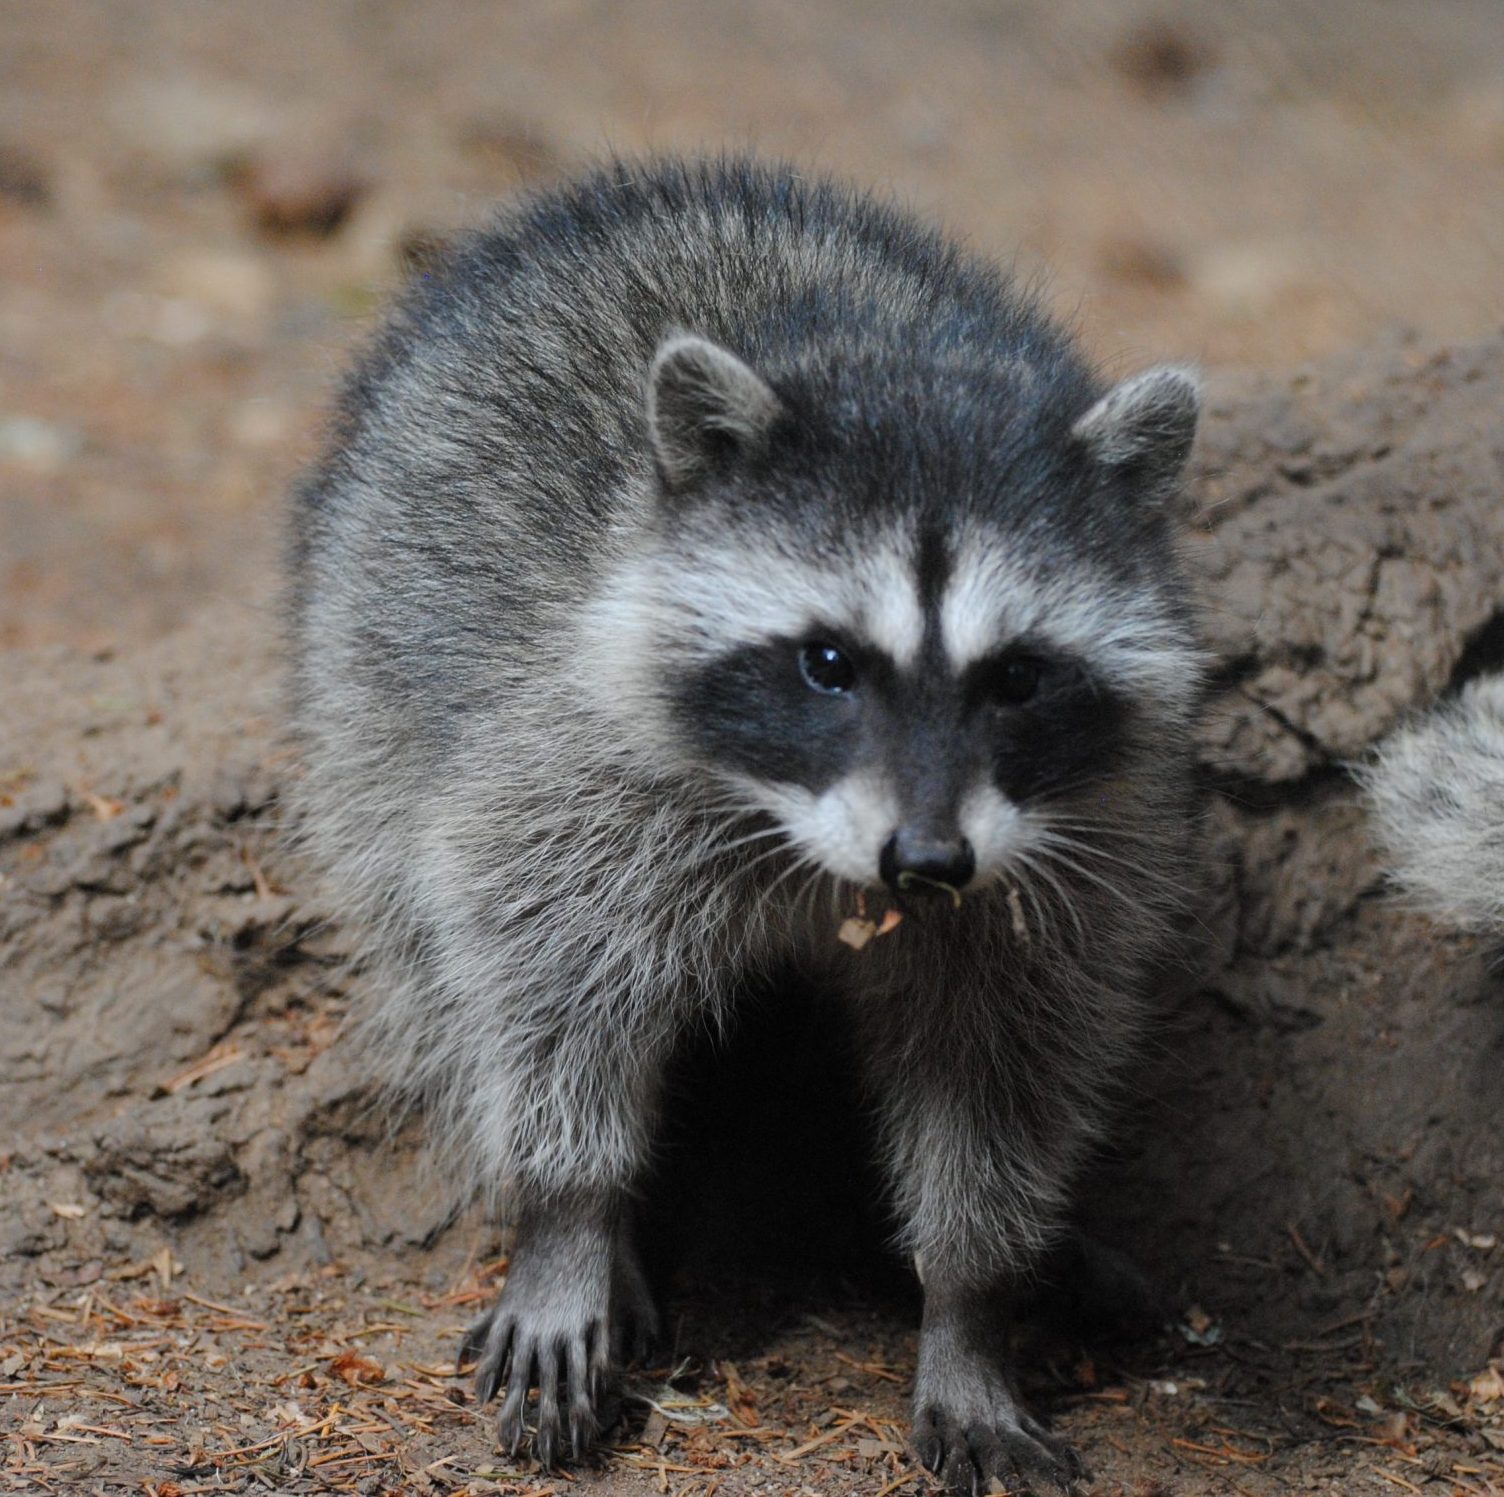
(558,1384)
(1016,1451)
(571,1372)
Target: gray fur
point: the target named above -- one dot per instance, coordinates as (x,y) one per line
(1148,420)
(1436,792)
(698,391)
(596,482)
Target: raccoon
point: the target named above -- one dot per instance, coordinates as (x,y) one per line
(707,554)
(1436,791)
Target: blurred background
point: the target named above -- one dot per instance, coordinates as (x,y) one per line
(202,204)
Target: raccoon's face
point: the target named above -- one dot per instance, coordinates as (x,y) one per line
(912,673)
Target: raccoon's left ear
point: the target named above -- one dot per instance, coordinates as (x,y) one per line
(1145,427)
(706,408)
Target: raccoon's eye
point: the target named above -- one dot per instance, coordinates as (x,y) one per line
(825,668)
(1015,680)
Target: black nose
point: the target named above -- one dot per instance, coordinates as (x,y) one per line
(927,860)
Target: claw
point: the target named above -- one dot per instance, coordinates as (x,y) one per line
(556,1386)
(487,1380)
(598,1363)
(583,1429)
(991,1458)
(932,1454)
(968,1457)
(474,1344)
(496,1357)
(581,1410)
(547,1438)
(509,1422)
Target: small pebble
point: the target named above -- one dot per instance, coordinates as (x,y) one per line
(41,446)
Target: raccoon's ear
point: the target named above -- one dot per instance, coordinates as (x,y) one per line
(1145,427)
(706,408)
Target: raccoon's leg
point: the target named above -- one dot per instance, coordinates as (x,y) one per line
(560,1102)
(969,1425)
(576,1306)
(981,1132)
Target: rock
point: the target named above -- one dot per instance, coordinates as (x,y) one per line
(36,804)
(290,192)
(1141,261)
(169,1166)
(1162,58)
(25,181)
(38,446)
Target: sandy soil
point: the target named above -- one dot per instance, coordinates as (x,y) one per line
(217,1270)
(1239,184)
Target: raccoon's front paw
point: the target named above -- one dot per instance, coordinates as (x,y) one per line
(565,1339)
(569,1364)
(969,1450)
(969,1428)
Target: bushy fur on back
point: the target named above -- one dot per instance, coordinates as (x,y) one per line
(1436,790)
(589,495)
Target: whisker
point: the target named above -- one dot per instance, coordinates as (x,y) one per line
(1046,875)
(1052,838)
(1043,905)
(1047,839)
(751,837)
(1113,831)
(803,861)
(808,890)
(1055,855)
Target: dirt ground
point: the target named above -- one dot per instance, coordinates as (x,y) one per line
(218,1269)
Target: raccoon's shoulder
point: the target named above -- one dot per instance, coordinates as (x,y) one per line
(1436,793)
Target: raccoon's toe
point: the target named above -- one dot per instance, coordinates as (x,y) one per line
(588,1410)
(1015,1450)
(511,1418)
(487,1348)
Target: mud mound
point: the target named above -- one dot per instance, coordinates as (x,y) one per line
(1322,1147)
(1314,1162)
(166,1041)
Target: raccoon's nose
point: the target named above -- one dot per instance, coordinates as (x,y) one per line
(928,861)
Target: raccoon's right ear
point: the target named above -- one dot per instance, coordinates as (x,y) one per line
(706,408)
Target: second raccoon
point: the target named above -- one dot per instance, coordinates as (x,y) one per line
(703,552)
